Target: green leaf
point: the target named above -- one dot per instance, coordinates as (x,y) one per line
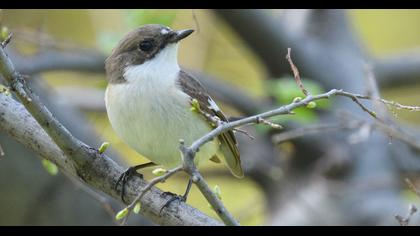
(121,214)
(137,208)
(50,167)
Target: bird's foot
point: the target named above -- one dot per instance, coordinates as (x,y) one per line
(173,198)
(131,171)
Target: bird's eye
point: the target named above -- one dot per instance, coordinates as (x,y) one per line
(146,46)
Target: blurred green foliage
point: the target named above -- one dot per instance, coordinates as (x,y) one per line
(285,90)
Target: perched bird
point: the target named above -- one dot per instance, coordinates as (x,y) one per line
(149,100)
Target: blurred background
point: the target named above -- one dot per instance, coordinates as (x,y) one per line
(340,176)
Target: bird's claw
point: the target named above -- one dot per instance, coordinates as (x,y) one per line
(124,178)
(173,198)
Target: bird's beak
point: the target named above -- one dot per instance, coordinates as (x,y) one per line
(181,34)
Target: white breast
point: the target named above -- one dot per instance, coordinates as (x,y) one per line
(151,114)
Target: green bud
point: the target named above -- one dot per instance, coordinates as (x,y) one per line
(159,171)
(276,126)
(4,33)
(136,208)
(103,147)
(297,99)
(311,105)
(50,167)
(121,214)
(4,89)
(195,105)
(217,191)
(373,114)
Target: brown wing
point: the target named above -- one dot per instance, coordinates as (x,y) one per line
(228,144)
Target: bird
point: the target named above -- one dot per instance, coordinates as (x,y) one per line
(149,101)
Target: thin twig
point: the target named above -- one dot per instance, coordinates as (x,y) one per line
(384,101)
(374,93)
(373,90)
(352,123)
(296,73)
(269,123)
(364,108)
(188,155)
(391,131)
(246,133)
(286,109)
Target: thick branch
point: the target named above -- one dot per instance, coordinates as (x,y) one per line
(19,124)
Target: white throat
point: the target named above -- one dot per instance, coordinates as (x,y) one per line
(164,66)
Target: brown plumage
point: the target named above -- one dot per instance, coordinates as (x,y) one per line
(228,143)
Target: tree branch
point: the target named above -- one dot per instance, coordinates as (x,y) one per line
(188,154)
(103,173)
